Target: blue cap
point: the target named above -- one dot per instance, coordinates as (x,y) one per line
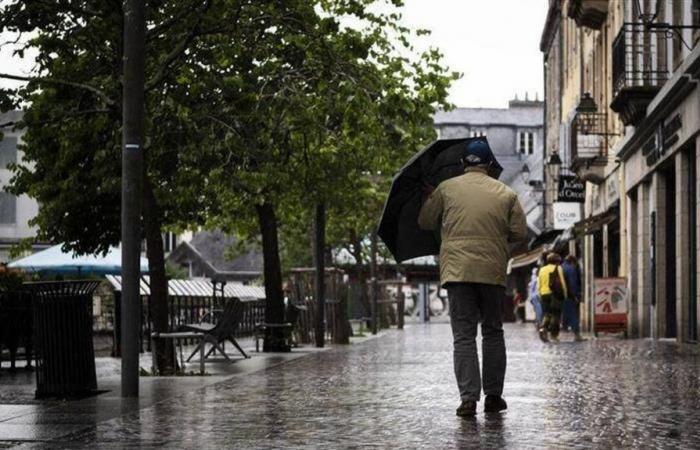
(478,153)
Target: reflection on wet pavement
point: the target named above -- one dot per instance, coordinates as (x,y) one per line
(398,391)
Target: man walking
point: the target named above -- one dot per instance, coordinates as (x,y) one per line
(572,276)
(478,217)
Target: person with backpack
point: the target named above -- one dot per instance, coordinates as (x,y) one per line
(552,286)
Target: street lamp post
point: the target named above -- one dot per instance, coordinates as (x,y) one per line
(525,173)
(553,162)
(132,165)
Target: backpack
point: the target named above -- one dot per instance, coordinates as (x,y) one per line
(555,284)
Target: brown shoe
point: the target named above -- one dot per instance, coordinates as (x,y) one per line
(494,403)
(467,409)
(543,334)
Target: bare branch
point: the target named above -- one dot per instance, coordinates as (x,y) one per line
(178,50)
(224,124)
(58,81)
(69,6)
(163,26)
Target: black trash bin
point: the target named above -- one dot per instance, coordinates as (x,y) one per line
(65,357)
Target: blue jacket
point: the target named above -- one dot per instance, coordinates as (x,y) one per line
(572,274)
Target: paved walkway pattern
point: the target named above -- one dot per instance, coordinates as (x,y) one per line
(398,391)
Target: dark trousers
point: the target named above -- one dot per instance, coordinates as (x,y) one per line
(570,314)
(471,303)
(551,307)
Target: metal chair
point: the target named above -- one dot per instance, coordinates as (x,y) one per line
(216,334)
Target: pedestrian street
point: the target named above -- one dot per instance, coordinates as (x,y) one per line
(398,391)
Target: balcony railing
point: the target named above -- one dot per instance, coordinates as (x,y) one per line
(588,136)
(639,69)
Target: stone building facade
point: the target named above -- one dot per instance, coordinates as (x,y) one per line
(623,115)
(15,212)
(515,135)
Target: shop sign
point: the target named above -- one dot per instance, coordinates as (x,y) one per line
(610,304)
(566,214)
(571,189)
(665,136)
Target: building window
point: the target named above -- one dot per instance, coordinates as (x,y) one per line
(8,151)
(8,208)
(169,242)
(526,142)
(695,18)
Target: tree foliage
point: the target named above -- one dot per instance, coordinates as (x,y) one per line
(256,110)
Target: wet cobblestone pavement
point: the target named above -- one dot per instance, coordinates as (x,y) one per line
(398,391)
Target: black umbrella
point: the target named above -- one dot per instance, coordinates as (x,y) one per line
(438,162)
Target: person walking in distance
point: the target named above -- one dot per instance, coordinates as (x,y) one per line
(552,287)
(479,219)
(572,276)
(534,297)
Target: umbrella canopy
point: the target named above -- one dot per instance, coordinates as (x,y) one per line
(54,260)
(438,162)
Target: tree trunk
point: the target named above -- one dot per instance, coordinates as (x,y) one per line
(158,300)
(319,265)
(359,267)
(375,285)
(274,298)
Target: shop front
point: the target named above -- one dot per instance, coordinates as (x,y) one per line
(660,165)
(600,234)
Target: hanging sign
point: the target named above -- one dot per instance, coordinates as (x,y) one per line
(571,189)
(566,214)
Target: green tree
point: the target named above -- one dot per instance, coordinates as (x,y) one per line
(72,117)
(388,119)
(255,109)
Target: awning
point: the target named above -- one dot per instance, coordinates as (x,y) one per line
(195,288)
(546,237)
(563,239)
(54,260)
(526,259)
(595,223)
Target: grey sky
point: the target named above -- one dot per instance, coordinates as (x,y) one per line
(494,43)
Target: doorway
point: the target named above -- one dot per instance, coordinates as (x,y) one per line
(693,244)
(669,239)
(614,247)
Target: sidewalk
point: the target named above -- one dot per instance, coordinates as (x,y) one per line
(398,391)
(24,418)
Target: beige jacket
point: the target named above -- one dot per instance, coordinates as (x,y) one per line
(479,217)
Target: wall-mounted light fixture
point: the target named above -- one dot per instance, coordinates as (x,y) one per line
(525,173)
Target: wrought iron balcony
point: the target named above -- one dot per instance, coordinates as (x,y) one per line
(589,140)
(639,70)
(588,13)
